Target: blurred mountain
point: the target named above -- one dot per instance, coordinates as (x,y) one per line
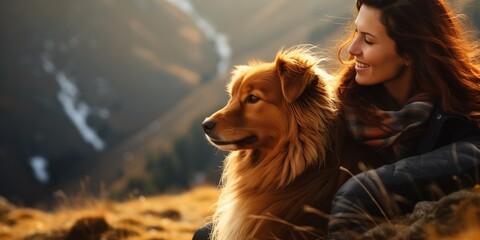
(79,77)
(92,88)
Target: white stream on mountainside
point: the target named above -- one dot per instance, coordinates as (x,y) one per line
(78,111)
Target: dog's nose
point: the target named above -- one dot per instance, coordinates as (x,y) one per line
(208,125)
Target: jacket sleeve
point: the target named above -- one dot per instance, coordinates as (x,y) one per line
(371,197)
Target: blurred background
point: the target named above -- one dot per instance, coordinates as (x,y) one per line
(107,96)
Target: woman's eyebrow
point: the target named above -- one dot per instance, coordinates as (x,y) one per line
(365,33)
(369,34)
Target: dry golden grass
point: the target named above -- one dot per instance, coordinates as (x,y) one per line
(177,216)
(173,217)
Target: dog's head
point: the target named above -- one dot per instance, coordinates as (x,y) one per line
(271,102)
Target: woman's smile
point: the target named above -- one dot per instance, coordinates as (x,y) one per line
(361,66)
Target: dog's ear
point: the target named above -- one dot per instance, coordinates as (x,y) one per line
(295,76)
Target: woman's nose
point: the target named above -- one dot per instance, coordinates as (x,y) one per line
(353,49)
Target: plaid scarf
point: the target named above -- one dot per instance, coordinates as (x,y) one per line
(391,132)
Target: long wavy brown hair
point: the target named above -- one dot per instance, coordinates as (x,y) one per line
(445,57)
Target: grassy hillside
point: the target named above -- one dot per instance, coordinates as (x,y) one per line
(176,217)
(168,217)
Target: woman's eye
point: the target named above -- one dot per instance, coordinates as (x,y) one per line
(368,42)
(252,98)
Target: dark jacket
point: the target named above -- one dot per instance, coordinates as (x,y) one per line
(444,128)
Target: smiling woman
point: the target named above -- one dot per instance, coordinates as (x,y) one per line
(376,57)
(410,90)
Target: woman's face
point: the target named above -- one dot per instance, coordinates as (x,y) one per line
(377,60)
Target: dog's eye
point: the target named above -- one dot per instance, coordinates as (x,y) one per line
(252,98)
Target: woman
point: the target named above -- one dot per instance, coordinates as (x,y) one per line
(411,89)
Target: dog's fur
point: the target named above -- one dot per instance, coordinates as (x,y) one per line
(285,137)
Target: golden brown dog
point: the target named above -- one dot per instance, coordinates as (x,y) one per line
(282,128)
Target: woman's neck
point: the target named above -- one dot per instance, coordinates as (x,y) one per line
(400,88)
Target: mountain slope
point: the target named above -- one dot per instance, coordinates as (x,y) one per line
(77,78)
